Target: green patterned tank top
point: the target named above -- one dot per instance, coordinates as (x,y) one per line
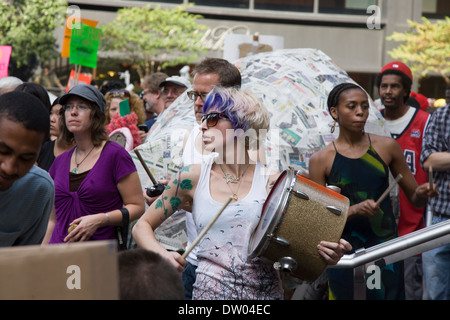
(361,179)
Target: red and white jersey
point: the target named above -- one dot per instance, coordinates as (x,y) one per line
(410,140)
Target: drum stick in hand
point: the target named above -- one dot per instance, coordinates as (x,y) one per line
(430,177)
(200,236)
(147,170)
(391,186)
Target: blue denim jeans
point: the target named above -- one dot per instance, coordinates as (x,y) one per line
(436,270)
(188,277)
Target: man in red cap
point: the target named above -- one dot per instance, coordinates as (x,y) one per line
(407,125)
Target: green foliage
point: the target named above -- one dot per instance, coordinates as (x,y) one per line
(28,26)
(146,36)
(425,47)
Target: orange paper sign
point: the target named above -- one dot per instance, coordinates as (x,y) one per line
(65,51)
(75,79)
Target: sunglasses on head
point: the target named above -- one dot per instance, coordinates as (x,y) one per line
(119,92)
(212,118)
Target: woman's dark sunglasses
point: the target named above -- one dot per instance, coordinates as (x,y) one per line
(212,118)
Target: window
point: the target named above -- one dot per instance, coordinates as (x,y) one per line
(285,5)
(165,1)
(239,4)
(436,9)
(358,7)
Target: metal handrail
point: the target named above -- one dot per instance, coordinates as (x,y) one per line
(392,251)
(399,248)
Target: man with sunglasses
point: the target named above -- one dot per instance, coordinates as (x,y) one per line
(211,72)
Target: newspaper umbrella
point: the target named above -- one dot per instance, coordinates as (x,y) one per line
(293,84)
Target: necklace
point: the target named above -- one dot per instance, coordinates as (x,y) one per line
(75,170)
(229,178)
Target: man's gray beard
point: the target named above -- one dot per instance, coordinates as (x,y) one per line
(148,106)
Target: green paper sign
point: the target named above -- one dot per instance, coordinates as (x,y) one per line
(84,46)
(124,107)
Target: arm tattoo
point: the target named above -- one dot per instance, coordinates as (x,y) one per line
(175,202)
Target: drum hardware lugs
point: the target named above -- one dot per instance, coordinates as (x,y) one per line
(301,194)
(282,241)
(285,264)
(337,211)
(334,188)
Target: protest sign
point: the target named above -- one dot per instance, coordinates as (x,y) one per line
(72,23)
(84,46)
(77,77)
(5,54)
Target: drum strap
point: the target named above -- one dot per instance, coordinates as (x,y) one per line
(122,231)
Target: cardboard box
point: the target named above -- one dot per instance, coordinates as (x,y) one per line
(86,271)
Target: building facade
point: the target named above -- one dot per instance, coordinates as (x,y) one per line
(352,32)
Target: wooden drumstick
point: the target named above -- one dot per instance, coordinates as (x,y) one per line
(391,186)
(200,236)
(430,177)
(145,166)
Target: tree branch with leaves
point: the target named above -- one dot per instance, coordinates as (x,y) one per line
(28,26)
(425,47)
(153,38)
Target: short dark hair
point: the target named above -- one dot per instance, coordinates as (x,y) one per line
(36,90)
(146,275)
(229,74)
(24,108)
(405,80)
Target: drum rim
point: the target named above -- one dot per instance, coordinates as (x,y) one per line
(281,209)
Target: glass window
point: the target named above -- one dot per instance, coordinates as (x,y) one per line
(165,1)
(240,4)
(436,9)
(285,5)
(358,7)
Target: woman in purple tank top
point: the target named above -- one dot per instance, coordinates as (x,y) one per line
(96,182)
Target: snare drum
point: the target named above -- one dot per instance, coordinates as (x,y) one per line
(296,216)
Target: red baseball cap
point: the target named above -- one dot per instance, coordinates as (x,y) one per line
(421,99)
(400,66)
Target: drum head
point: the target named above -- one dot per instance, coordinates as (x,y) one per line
(271,214)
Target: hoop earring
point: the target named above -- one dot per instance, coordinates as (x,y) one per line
(333,127)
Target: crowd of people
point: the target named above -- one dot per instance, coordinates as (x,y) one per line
(66,175)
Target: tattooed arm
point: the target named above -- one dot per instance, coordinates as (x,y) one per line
(178,191)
